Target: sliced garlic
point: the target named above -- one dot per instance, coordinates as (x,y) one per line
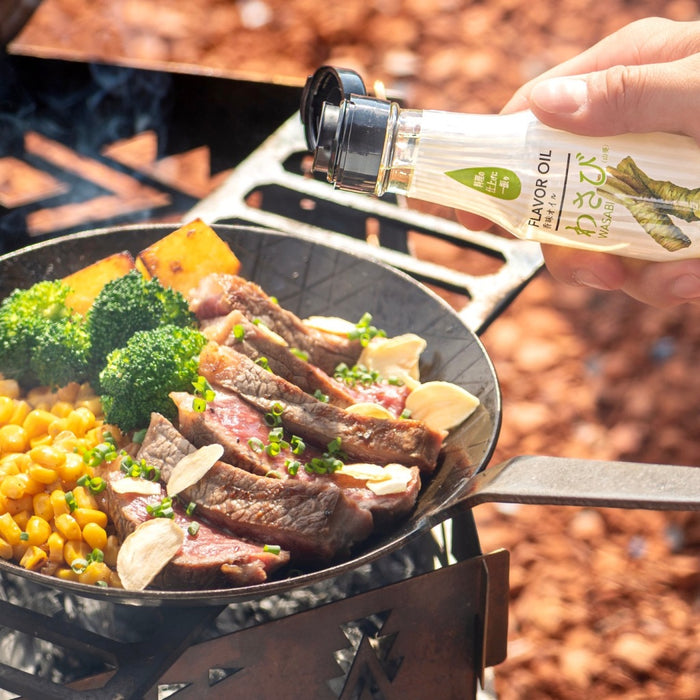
(330,324)
(393,478)
(371,410)
(396,357)
(399,478)
(146,551)
(441,405)
(274,337)
(140,487)
(191,468)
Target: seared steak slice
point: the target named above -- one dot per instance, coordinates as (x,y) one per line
(209,559)
(244,336)
(314,520)
(221,423)
(219,294)
(363,438)
(232,423)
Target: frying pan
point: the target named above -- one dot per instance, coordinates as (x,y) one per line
(313,277)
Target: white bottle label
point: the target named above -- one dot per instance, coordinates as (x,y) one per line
(636,195)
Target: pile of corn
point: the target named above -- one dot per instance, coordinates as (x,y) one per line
(48,521)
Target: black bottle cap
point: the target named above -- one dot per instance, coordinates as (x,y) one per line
(345,128)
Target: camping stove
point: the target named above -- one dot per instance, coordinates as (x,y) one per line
(92,145)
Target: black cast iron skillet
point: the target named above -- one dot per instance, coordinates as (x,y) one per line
(311,277)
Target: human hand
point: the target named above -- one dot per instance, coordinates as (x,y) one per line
(644,77)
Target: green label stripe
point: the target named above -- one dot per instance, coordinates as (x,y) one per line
(495,182)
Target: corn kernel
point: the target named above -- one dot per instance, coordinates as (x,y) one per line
(13,438)
(95,535)
(5,549)
(110,550)
(67,525)
(40,395)
(68,393)
(9,530)
(22,409)
(75,549)
(66,574)
(7,408)
(13,486)
(9,388)
(33,558)
(22,518)
(80,421)
(41,440)
(43,475)
(61,409)
(55,545)
(48,456)
(32,486)
(58,502)
(17,505)
(95,572)
(84,498)
(72,469)
(38,530)
(83,516)
(37,422)
(41,505)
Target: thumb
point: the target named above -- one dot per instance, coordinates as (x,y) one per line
(654,97)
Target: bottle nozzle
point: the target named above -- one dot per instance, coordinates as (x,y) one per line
(345,128)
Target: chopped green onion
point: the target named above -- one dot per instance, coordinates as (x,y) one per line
(301,354)
(238,332)
(79,565)
(406,413)
(292,466)
(298,445)
(263,362)
(24,536)
(256,444)
(193,529)
(203,394)
(190,508)
(106,451)
(320,396)
(364,331)
(70,501)
(96,484)
(272,548)
(163,510)
(357,374)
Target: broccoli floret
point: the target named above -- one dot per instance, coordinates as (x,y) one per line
(138,377)
(41,339)
(129,304)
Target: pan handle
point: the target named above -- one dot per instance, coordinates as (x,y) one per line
(584,482)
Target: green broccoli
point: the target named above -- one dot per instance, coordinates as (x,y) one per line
(128,304)
(138,377)
(42,341)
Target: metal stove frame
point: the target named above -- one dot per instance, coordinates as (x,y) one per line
(383,635)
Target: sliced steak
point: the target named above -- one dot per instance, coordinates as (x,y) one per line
(363,438)
(221,424)
(211,558)
(314,520)
(244,336)
(220,294)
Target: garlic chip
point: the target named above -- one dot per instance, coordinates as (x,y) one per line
(383,481)
(140,487)
(330,324)
(191,468)
(441,405)
(396,357)
(146,551)
(371,410)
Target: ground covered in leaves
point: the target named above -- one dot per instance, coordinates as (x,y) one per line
(604,603)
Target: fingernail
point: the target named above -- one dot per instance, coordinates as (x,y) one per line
(586,278)
(560,95)
(686,287)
